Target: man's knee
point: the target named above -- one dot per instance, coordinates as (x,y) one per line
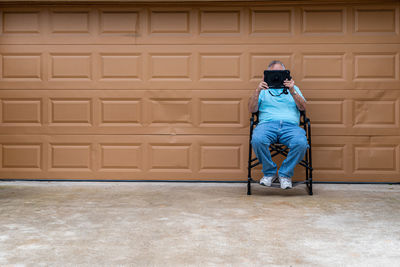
(257,140)
(299,143)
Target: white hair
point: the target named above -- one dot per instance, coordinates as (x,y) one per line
(274,62)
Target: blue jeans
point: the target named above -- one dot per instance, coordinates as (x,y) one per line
(288,134)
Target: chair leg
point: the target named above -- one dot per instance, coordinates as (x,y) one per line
(249,186)
(309,188)
(309,183)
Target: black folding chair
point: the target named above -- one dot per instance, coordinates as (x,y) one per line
(279,149)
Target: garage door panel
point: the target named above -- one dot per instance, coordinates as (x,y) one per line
(198,67)
(221,158)
(22,67)
(170,67)
(21,22)
(66,157)
(195,24)
(376,66)
(222,22)
(324,67)
(119,21)
(363,159)
(121,66)
(115,111)
(170,111)
(23,111)
(188,112)
(124,157)
(22,155)
(121,157)
(64,21)
(355,67)
(126,112)
(26,156)
(376,113)
(376,20)
(327,112)
(71,67)
(264,22)
(76,111)
(195,157)
(324,21)
(167,158)
(164,22)
(371,159)
(355,113)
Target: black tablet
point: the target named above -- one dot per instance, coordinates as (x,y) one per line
(275,78)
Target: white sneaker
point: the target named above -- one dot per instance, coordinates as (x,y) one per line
(286,183)
(267,180)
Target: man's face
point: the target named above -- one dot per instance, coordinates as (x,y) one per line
(276,67)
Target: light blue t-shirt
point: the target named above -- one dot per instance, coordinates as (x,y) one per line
(276,108)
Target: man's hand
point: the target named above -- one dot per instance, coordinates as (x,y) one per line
(289,84)
(262,86)
(300,102)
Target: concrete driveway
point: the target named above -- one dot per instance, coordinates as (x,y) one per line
(197,224)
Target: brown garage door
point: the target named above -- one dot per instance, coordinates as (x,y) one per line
(159,91)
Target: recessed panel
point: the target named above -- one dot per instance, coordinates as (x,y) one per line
(120,156)
(21,156)
(70,111)
(20,22)
(220,111)
(323,21)
(375,158)
(70,156)
(375,66)
(323,67)
(220,22)
(220,66)
(328,158)
(169,22)
(170,66)
(226,157)
(170,111)
(271,21)
(260,62)
(70,22)
(170,156)
(21,66)
(325,112)
(375,113)
(71,66)
(119,22)
(375,20)
(21,111)
(121,66)
(120,111)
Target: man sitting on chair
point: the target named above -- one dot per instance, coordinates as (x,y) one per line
(279,117)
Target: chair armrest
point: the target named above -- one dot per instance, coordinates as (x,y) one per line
(254,117)
(305,118)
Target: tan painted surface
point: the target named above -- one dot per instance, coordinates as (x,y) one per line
(159,91)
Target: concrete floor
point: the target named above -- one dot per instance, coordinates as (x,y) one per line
(202,224)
